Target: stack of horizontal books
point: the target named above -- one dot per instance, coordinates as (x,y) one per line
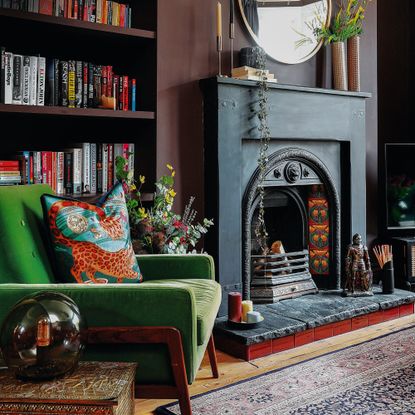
(9,172)
(253,74)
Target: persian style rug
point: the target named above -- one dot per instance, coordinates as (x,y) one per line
(375,377)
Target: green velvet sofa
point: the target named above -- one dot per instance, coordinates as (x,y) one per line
(179,292)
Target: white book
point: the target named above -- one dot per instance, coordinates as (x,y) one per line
(98,11)
(36,6)
(105,168)
(77,170)
(93,168)
(131,157)
(41,81)
(33,80)
(60,170)
(17,79)
(37,166)
(86,168)
(118,151)
(26,81)
(8,79)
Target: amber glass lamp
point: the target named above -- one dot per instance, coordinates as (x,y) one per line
(41,337)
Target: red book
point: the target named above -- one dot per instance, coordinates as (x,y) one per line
(125,148)
(65,11)
(10,169)
(75,9)
(120,99)
(53,170)
(45,167)
(46,7)
(109,81)
(85,15)
(110,165)
(11,163)
(125,90)
(32,171)
(122,15)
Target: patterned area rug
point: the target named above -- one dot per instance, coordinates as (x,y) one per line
(375,377)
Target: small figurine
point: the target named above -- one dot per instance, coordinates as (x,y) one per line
(359,276)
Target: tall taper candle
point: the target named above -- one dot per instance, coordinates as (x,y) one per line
(219,20)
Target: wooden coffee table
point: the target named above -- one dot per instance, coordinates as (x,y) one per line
(94,388)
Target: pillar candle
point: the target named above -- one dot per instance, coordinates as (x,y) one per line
(247,306)
(253,317)
(219,20)
(234,306)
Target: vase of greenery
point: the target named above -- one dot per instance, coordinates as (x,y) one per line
(157,229)
(346,26)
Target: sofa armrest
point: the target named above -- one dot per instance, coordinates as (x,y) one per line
(124,305)
(194,266)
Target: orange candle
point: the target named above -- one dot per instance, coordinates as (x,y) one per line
(219,20)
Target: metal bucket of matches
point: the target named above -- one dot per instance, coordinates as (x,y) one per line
(384,257)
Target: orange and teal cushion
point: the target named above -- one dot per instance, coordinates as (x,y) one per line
(91,243)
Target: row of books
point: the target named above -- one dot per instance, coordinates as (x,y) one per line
(9,172)
(96,11)
(88,168)
(36,80)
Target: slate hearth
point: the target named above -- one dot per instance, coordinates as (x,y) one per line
(292,323)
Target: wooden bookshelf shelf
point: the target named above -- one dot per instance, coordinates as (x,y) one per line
(75,112)
(78,24)
(145,197)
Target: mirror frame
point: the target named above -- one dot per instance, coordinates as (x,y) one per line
(258,42)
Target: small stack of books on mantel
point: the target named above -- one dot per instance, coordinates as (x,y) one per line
(252,74)
(35,80)
(89,168)
(9,172)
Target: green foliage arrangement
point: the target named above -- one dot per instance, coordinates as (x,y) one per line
(347,23)
(158,230)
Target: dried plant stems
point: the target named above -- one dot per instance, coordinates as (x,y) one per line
(383,254)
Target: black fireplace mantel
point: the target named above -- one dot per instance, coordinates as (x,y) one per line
(329,124)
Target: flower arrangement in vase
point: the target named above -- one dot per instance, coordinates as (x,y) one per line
(158,230)
(346,26)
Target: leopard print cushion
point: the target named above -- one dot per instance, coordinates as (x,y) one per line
(91,243)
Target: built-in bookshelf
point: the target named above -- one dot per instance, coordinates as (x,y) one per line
(131,51)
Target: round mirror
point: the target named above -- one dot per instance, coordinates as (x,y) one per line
(285,29)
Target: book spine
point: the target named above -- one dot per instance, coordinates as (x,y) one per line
(86,168)
(125,150)
(25,167)
(99,168)
(46,7)
(60,170)
(93,168)
(131,157)
(44,167)
(9,163)
(62,8)
(120,93)
(122,15)
(53,166)
(56,79)
(116,92)
(2,73)
(17,79)
(97,86)
(33,80)
(31,169)
(93,11)
(105,168)
(50,86)
(77,171)
(84,84)
(37,160)
(133,94)
(71,84)
(90,85)
(125,105)
(8,80)
(80,9)
(68,173)
(109,81)
(117,153)
(99,11)
(63,98)
(78,84)
(36,6)
(26,81)
(110,165)
(104,80)
(69,9)
(41,81)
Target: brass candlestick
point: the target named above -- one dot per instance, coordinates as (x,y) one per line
(219,48)
(231,37)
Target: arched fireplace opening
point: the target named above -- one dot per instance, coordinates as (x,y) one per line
(302,215)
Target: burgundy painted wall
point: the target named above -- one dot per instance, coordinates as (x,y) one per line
(187,53)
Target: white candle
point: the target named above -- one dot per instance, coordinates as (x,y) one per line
(253,317)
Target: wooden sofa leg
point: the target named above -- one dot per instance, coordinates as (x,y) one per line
(212,357)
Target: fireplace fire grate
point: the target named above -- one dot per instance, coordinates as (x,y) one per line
(280,276)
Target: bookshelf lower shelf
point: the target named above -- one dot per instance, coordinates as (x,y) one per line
(75,112)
